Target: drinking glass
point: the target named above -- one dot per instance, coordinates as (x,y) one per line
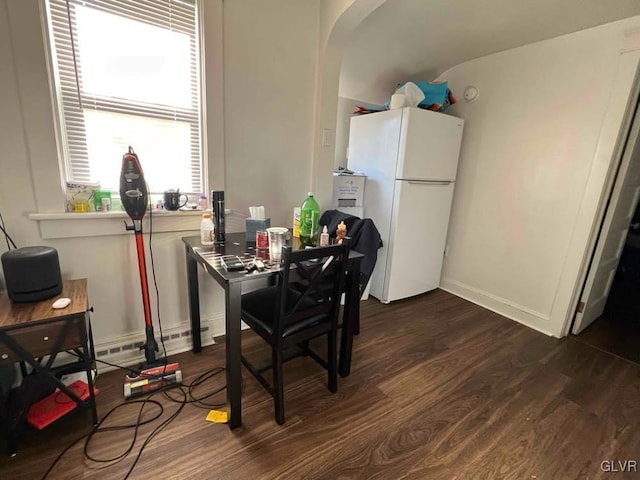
(277,239)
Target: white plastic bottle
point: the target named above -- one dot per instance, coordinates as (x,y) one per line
(206,229)
(324,237)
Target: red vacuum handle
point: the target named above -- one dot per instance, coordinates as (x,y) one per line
(142,267)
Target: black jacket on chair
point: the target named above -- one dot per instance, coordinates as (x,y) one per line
(365,239)
(332,218)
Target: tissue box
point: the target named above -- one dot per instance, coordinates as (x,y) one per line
(253,225)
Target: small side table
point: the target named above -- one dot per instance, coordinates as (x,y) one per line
(35,333)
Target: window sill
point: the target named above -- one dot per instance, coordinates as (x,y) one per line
(97,224)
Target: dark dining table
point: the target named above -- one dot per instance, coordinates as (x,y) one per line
(234,284)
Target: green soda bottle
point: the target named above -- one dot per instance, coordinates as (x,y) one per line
(309,217)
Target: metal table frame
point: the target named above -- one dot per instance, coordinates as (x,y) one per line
(232,283)
(34,334)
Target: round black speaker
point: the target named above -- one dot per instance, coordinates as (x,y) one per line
(32,273)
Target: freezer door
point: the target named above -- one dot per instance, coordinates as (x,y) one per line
(373,144)
(420,220)
(429,145)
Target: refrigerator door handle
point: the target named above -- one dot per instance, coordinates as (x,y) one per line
(429,182)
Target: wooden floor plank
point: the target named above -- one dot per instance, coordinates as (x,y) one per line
(440,389)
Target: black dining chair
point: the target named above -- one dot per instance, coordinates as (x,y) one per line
(303,305)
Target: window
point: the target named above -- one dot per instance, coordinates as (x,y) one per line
(127,72)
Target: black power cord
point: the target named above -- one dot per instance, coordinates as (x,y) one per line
(155,283)
(7,237)
(199,401)
(136,425)
(186,396)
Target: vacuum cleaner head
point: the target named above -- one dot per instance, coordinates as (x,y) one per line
(152,379)
(133,187)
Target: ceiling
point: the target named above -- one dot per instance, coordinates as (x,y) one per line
(419,39)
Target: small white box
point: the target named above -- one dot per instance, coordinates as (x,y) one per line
(348,190)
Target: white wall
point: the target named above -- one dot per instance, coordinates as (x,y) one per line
(269,69)
(338,21)
(16,186)
(281,71)
(346,106)
(522,216)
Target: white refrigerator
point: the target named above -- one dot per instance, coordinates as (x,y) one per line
(410,158)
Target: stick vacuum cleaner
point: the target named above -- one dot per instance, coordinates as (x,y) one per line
(154,372)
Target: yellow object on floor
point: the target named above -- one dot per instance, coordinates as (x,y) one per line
(218,416)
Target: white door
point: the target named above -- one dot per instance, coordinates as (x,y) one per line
(613,234)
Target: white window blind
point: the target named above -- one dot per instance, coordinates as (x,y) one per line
(127,72)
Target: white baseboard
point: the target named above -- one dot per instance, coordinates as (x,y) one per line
(526,316)
(124,350)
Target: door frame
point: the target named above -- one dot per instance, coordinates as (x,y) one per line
(631,144)
(610,178)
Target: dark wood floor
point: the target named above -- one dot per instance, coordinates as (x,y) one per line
(617,331)
(440,389)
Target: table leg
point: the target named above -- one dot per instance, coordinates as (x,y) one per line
(194,300)
(90,359)
(92,348)
(7,430)
(234,360)
(351,321)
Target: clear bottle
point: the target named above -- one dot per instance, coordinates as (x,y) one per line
(309,216)
(202,202)
(341,232)
(324,237)
(206,229)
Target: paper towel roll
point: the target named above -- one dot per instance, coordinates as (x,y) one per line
(397,101)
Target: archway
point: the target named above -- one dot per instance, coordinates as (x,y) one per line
(339,18)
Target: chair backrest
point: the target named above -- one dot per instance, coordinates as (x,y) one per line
(311,284)
(365,239)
